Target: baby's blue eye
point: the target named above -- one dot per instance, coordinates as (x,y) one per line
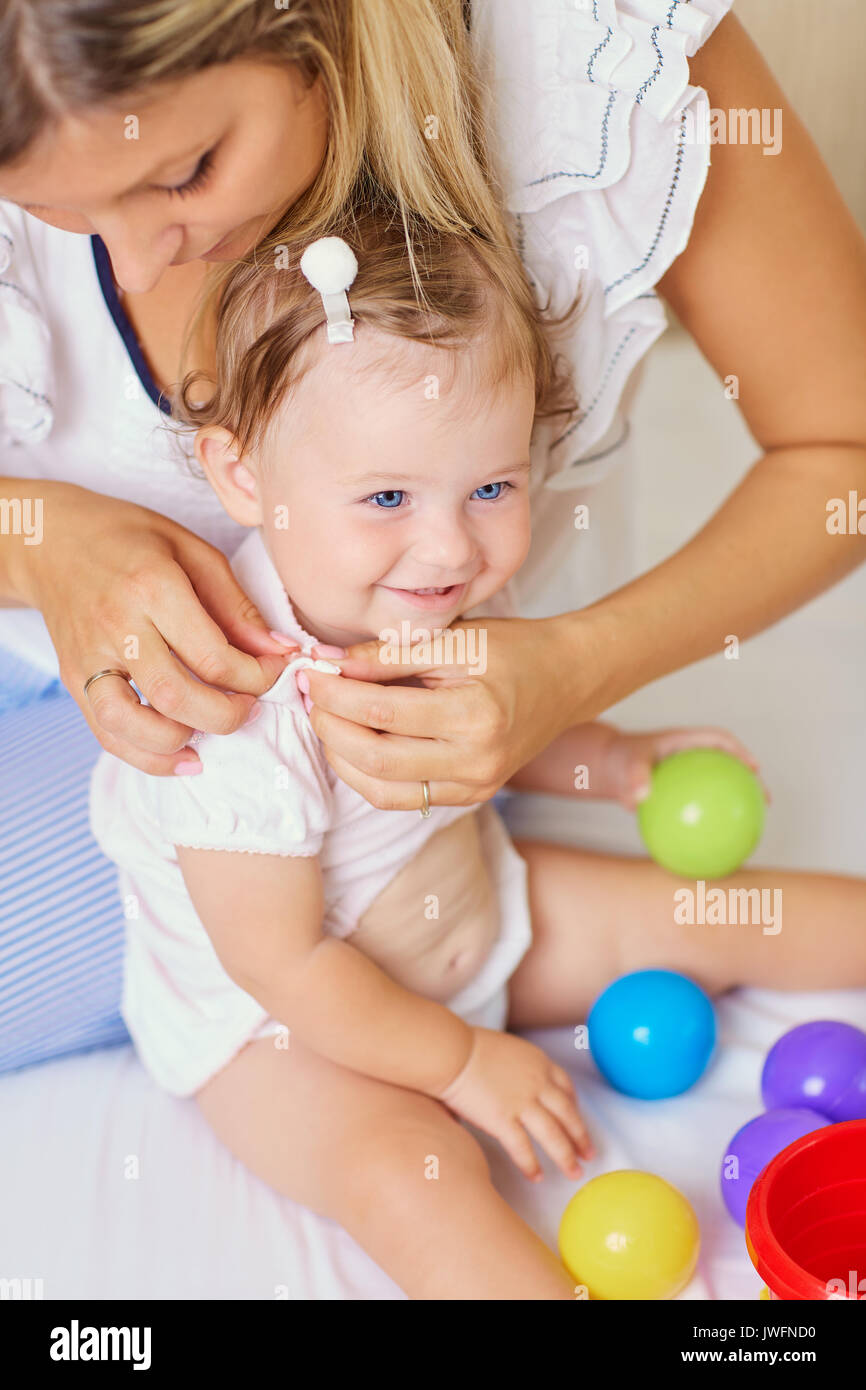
(392,498)
(487,493)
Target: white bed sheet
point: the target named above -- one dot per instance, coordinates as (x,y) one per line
(194,1224)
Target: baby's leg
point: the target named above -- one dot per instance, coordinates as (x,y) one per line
(362,1152)
(597,916)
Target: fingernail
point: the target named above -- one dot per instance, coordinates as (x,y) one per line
(188,768)
(253,715)
(322,649)
(286,641)
(303,683)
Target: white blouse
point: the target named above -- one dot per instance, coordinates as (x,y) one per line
(587,104)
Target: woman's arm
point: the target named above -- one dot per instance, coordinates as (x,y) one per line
(122,587)
(337,1001)
(21,529)
(772,285)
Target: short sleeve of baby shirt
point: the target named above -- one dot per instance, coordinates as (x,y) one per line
(265,788)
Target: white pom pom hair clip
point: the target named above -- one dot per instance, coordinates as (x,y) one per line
(330,266)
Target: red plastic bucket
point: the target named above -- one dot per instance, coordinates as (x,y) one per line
(806,1216)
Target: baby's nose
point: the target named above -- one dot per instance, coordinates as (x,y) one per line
(446,547)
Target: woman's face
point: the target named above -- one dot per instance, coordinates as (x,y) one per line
(201,171)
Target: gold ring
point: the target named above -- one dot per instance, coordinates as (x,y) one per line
(97,676)
(425,794)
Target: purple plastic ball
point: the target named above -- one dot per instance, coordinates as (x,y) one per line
(754,1145)
(821,1066)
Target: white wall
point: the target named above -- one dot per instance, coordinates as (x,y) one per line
(816,48)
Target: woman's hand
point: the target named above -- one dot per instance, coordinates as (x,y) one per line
(470,726)
(123,587)
(512,1090)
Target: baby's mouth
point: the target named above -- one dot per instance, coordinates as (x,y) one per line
(441,597)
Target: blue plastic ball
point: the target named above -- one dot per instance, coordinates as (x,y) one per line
(652,1033)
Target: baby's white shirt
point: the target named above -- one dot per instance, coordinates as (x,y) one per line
(267,788)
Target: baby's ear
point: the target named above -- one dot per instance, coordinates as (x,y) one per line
(228,474)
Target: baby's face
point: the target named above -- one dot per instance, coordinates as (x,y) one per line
(382,502)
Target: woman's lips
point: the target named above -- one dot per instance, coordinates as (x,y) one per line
(218,247)
(437,602)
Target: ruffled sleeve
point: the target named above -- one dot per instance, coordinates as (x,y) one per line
(26,369)
(265,788)
(594,131)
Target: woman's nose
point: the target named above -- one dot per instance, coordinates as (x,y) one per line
(139,253)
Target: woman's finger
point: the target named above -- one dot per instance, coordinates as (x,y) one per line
(234,612)
(380,661)
(175,692)
(156,764)
(201,644)
(112,707)
(397,709)
(383,757)
(403,796)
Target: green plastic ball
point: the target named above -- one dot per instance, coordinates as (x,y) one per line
(704,814)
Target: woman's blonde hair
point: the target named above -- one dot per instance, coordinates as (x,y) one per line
(270,327)
(403,94)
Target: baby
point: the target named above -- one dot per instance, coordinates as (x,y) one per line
(379,451)
(384,472)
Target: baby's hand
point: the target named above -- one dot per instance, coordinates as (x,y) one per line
(631,758)
(511,1089)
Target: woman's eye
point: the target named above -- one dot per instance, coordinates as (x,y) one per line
(390,499)
(196,181)
(488,492)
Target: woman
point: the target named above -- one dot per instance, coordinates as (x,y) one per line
(173,142)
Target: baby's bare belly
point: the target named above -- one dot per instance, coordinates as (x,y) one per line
(434,924)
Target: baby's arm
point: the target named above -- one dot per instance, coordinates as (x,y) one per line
(605,763)
(553,770)
(263,913)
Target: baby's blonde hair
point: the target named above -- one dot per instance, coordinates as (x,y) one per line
(270,327)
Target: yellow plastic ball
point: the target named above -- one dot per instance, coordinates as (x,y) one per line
(629,1235)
